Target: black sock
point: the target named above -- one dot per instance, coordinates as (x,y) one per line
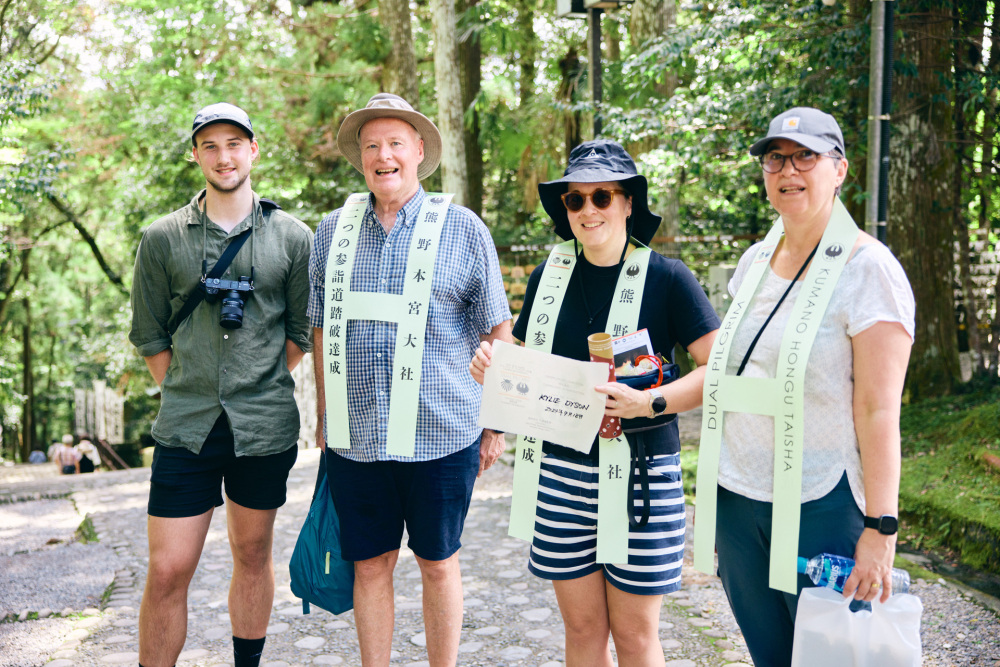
(246,652)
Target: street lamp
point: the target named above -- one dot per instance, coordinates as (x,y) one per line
(591,10)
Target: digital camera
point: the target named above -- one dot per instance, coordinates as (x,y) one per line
(234,295)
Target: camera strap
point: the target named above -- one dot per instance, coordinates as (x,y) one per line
(197,295)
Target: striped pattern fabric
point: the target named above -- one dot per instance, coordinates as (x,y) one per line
(565,539)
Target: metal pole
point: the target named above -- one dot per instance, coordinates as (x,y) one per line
(883,179)
(594,56)
(875,71)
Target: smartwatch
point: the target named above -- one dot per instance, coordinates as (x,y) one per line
(886,524)
(657,404)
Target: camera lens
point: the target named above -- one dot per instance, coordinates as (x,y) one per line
(231,313)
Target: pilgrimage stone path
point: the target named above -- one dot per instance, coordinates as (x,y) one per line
(511,617)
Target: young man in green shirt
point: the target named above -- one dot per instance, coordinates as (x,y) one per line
(227,413)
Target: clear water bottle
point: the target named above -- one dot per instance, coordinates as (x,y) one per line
(832,572)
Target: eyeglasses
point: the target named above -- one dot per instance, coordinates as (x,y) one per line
(804,160)
(602,198)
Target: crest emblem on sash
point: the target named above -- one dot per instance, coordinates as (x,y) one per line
(632,272)
(437,200)
(833,251)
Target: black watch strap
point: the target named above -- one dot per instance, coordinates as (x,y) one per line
(886,524)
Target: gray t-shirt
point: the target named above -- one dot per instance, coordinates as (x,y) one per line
(873,288)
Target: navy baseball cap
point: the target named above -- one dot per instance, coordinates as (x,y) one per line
(221,112)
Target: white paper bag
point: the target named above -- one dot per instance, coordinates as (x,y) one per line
(829,634)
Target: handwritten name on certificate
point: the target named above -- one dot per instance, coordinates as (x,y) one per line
(543,396)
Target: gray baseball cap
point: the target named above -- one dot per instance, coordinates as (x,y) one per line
(810,127)
(221,112)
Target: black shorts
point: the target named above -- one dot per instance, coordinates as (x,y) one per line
(184,484)
(374,501)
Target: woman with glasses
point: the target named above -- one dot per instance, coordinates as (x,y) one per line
(600,205)
(838,381)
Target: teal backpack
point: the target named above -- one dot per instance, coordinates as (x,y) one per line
(319,575)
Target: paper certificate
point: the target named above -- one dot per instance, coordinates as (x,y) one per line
(543,396)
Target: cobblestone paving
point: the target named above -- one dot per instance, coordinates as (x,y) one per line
(511,617)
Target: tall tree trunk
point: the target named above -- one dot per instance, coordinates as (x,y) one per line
(653,18)
(650,19)
(988,180)
(528,52)
(399,76)
(28,429)
(961,225)
(470,58)
(920,181)
(448,77)
(570,71)
(612,34)
(46,420)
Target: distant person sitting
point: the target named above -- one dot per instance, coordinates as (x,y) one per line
(66,457)
(37,456)
(89,458)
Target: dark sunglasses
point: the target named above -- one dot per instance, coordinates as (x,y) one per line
(602,198)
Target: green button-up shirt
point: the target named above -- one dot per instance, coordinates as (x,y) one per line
(241,371)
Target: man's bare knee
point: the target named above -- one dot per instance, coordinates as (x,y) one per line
(253,556)
(438,571)
(168,577)
(379,567)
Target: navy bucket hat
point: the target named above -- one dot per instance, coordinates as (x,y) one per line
(599,161)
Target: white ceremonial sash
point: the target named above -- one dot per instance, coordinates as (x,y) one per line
(613,493)
(408,310)
(781,397)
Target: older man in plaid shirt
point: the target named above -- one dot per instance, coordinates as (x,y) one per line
(412,288)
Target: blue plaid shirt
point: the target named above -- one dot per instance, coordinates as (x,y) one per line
(467,300)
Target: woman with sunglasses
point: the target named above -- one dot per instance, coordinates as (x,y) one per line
(838,428)
(600,204)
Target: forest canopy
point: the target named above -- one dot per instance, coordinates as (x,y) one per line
(97,99)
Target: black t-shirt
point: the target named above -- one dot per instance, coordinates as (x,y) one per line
(674,310)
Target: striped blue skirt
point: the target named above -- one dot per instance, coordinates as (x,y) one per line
(565,540)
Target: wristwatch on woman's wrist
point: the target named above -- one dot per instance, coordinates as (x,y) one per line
(657,404)
(886,524)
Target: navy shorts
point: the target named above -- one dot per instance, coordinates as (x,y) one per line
(375,500)
(184,484)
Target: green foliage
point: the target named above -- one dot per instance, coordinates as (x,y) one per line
(96,103)
(86,532)
(948,495)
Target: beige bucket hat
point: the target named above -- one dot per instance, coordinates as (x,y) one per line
(387,105)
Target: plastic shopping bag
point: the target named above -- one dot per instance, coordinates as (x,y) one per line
(319,575)
(829,634)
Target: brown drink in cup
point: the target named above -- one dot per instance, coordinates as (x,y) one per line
(600,351)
